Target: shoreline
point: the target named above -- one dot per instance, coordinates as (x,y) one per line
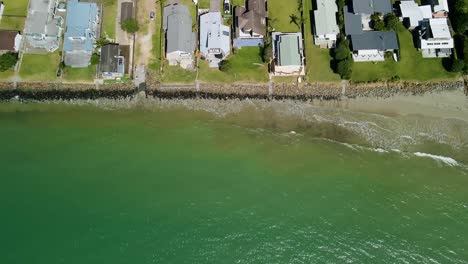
(275,91)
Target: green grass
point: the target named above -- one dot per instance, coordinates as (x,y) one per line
(108,23)
(317,59)
(279,12)
(205,4)
(80,74)
(247,66)
(157,40)
(7,75)
(14,14)
(40,67)
(175,74)
(411,67)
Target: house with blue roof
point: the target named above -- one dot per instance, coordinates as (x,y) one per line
(81,32)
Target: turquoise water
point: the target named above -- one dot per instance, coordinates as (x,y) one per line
(81,184)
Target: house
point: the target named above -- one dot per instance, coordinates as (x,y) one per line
(288,52)
(180,39)
(413,14)
(372,45)
(111,64)
(435,39)
(215,38)
(250,23)
(325,26)
(367,44)
(440,8)
(81,33)
(10,41)
(43,27)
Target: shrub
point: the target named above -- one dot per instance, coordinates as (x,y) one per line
(225,66)
(130,25)
(391,21)
(341,51)
(345,68)
(94,59)
(457,65)
(8,61)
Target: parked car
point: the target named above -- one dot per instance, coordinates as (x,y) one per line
(152,15)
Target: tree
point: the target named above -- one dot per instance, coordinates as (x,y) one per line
(341,51)
(225,66)
(457,65)
(391,21)
(94,59)
(345,68)
(8,61)
(101,42)
(130,25)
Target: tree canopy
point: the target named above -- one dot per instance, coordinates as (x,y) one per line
(130,25)
(8,61)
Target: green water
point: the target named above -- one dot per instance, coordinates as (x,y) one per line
(85,185)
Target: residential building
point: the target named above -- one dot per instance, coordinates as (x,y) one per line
(82,31)
(215,38)
(10,41)
(43,27)
(367,44)
(372,45)
(288,52)
(413,14)
(440,8)
(325,26)
(111,64)
(180,39)
(435,39)
(250,23)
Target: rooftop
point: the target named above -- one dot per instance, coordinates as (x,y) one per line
(81,25)
(325,18)
(178,25)
(213,34)
(375,40)
(439,28)
(372,6)
(415,14)
(289,52)
(7,39)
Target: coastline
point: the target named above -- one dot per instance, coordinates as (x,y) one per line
(273,91)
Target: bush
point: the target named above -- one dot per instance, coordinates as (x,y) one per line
(391,21)
(94,59)
(130,25)
(388,55)
(225,66)
(342,51)
(8,61)
(457,65)
(345,68)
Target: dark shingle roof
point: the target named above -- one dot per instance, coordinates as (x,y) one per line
(7,39)
(377,40)
(126,11)
(372,6)
(252,16)
(109,61)
(353,23)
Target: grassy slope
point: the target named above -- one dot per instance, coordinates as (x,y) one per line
(247,66)
(108,23)
(317,59)
(279,12)
(40,67)
(18,10)
(411,66)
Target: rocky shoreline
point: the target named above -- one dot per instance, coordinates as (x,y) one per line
(321,90)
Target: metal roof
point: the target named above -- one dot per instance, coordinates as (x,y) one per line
(372,6)
(213,34)
(178,26)
(375,40)
(353,22)
(81,25)
(288,49)
(325,18)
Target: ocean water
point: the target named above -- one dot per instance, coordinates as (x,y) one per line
(262,182)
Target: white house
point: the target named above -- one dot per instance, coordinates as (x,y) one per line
(289,54)
(215,38)
(435,39)
(325,27)
(413,14)
(440,8)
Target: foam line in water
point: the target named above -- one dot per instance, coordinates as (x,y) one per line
(446,160)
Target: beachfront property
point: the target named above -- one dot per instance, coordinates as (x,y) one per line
(81,33)
(250,23)
(435,39)
(367,44)
(215,38)
(112,63)
(288,54)
(10,41)
(440,8)
(412,14)
(180,39)
(43,27)
(325,27)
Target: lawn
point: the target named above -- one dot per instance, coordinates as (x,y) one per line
(175,74)
(40,67)
(280,12)
(317,59)
(157,40)
(109,18)
(411,67)
(247,66)
(7,75)
(14,14)
(80,74)
(205,4)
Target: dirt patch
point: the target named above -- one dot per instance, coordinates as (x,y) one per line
(144,36)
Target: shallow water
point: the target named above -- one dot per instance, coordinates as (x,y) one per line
(239,182)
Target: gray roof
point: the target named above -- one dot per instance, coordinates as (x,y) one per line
(372,6)
(126,11)
(353,22)
(109,58)
(375,40)
(178,26)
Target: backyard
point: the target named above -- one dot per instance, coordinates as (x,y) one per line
(281,14)
(79,74)
(40,67)
(14,14)
(246,66)
(175,74)
(109,18)
(412,66)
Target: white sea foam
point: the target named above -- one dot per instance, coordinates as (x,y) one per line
(446,160)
